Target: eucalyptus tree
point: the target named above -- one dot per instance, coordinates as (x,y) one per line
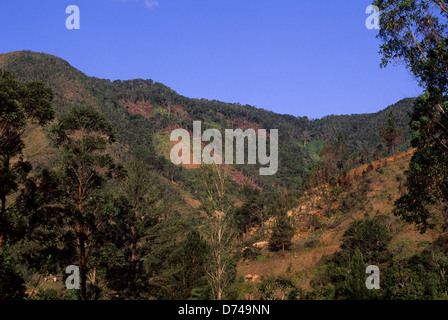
(414,33)
(83,135)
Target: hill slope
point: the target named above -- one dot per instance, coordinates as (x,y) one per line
(143,112)
(324,215)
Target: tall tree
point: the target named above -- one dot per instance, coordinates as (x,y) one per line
(136,186)
(415,33)
(188,267)
(390,133)
(21,105)
(282,234)
(83,135)
(341,151)
(354,286)
(152,202)
(251,213)
(219,233)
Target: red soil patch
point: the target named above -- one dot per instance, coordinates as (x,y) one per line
(358,171)
(243,124)
(143,108)
(178,111)
(239,178)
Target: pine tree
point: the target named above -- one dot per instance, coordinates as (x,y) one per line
(390,133)
(193,253)
(148,220)
(283,231)
(137,188)
(354,287)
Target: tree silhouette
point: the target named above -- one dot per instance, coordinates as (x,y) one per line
(21,105)
(390,133)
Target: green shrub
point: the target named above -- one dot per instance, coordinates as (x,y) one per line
(12,285)
(48,294)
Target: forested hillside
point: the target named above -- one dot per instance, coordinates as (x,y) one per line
(142,112)
(88,182)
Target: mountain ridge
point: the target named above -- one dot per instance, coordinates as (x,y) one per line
(6,55)
(144,111)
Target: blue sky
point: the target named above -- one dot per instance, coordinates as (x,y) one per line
(305,58)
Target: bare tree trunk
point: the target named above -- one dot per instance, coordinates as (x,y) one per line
(83,270)
(2,217)
(133,260)
(260,217)
(220,276)
(220,268)
(3,212)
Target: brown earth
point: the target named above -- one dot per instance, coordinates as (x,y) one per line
(310,244)
(143,108)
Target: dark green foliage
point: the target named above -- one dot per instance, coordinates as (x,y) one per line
(85,119)
(43,233)
(415,32)
(250,252)
(21,104)
(252,212)
(390,133)
(370,237)
(163,271)
(12,285)
(344,273)
(193,255)
(420,277)
(426,199)
(48,294)
(83,134)
(354,286)
(282,233)
(409,281)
